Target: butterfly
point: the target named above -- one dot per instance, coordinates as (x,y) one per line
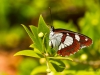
(67,42)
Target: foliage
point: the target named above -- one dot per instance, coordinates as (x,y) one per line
(41,46)
(16,12)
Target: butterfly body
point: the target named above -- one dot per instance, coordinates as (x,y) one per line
(67,42)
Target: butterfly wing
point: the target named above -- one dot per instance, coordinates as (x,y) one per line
(71,42)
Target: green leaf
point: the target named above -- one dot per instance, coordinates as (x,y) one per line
(39,69)
(42,27)
(29,33)
(52,52)
(34,30)
(58,65)
(37,42)
(30,53)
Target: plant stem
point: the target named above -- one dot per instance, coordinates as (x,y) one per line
(47,63)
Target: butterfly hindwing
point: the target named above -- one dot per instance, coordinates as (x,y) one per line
(71,49)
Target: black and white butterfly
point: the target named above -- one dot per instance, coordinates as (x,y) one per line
(67,42)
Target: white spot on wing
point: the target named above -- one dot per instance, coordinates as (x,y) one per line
(83,47)
(60,47)
(65,45)
(68,40)
(74,52)
(67,34)
(77,37)
(86,39)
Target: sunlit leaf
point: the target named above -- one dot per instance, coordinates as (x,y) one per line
(30,53)
(61,58)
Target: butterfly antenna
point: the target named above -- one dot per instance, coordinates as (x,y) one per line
(51,18)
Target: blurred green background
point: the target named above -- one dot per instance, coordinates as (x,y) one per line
(77,15)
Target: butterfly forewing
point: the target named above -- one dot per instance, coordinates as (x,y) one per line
(70,41)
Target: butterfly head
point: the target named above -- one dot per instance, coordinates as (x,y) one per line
(51,32)
(52,28)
